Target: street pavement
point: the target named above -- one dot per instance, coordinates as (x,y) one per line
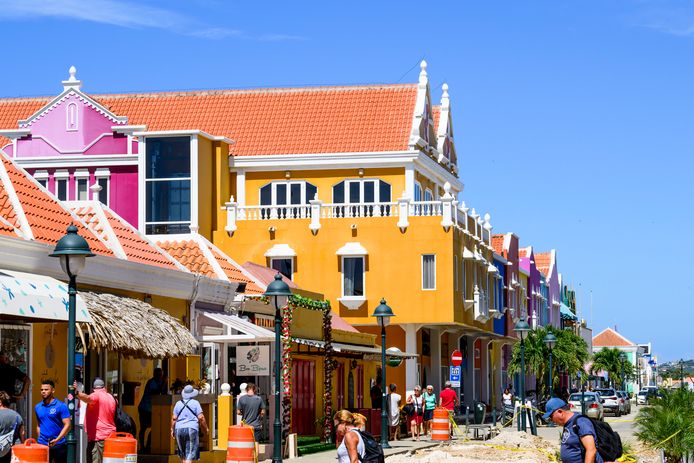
(397,447)
(624,425)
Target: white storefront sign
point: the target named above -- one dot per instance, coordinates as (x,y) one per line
(253,360)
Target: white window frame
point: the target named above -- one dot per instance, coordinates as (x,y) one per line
(291,262)
(422,270)
(342,276)
(417,189)
(41,176)
(81,175)
(361,182)
(104,174)
(76,125)
(62,176)
(287,183)
(428,195)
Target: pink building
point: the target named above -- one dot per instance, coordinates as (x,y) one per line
(71,143)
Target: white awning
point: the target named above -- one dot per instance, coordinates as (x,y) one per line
(352,249)
(235,329)
(280,250)
(27,295)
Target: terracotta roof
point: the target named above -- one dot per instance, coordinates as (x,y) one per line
(188,253)
(543,261)
(610,338)
(266,121)
(109,226)
(235,273)
(339,323)
(498,244)
(266,274)
(436,116)
(5,227)
(524,252)
(47,217)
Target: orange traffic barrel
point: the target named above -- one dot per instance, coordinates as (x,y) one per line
(30,452)
(241,445)
(120,447)
(439,425)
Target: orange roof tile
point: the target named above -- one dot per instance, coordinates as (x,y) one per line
(234,273)
(266,121)
(436,115)
(523,252)
(266,274)
(610,338)
(108,225)
(188,253)
(48,219)
(543,261)
(6,228)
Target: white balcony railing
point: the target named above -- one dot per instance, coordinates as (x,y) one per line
(452,214)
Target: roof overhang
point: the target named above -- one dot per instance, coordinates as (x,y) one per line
(191,133)
(352,249)
(236,329)
(13,134)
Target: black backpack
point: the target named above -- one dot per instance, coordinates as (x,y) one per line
(373,451)
(609,443)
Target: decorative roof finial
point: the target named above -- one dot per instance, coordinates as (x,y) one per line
(72,82)
(423,72)
(444,87)
(445,101)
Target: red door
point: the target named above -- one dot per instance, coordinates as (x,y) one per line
(304,397)
(340,386)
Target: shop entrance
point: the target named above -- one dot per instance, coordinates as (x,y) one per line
(304,397)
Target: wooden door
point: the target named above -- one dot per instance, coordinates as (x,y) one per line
(360,386)
(340,386)
(304,397)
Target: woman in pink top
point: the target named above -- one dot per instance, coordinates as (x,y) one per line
(100,419)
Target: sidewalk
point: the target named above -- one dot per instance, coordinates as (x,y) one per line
(397,447)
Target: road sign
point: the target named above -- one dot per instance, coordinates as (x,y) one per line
(454,377)
(456,358)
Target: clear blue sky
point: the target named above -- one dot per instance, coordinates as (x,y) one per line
(573,119)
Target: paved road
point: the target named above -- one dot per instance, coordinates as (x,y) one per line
(624,425)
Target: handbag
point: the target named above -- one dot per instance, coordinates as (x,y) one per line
(408,409)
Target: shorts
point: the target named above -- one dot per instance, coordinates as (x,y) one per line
(95,451)
(416,419)
(428,415)
(188,443)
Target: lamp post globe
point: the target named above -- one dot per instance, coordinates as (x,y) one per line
(522,329)
(278,291)
(72,250)
(551,341)
(383,313)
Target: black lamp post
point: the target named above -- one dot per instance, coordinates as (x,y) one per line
(623,359)
(73,251)
(522,328)
(383,314)
(681,373)
(279,291)
(551,341)
(638,371)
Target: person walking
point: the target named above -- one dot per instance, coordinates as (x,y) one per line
(352,448)
(376,394)
(394,400)
(100,419)
(417,416)
(9,376)
(448,399)
(187,421)
(252,410)
(11,428)
(429,406)
(156,385)
(52,423)
(578,440)
(507,405)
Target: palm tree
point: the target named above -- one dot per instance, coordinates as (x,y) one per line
(668,424)
(608,360)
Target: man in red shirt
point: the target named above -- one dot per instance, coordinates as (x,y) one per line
(448,399)
(99,420)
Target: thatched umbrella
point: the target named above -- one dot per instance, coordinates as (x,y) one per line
(134,328)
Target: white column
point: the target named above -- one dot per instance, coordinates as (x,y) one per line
(194,184)
(435,343)
(241,187)
(409,181)
(411,379)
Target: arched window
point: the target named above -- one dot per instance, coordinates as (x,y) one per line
(361,191)
(428,195)
(285,193)
(417,191)
(71,122)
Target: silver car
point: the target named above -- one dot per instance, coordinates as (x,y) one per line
(593,403)
(627,401)
(612,402)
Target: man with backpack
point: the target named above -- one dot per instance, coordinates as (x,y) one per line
(583,440)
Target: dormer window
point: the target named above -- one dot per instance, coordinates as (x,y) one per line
(71,117)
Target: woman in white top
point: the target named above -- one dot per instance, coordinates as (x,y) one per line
(416,418)
(508,405)
(351,449)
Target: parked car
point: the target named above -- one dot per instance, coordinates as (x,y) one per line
(642,398)
(627,402)
(594,407)
(612,402)
(651,393)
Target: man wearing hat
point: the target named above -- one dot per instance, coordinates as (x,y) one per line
(99,421)
(575,448)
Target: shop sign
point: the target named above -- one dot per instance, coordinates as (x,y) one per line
(253,360)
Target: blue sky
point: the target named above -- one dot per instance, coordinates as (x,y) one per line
(573,119)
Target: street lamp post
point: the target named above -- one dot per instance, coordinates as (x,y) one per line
(73,251)
(681,373)
(551,341)
(522,328)
(383,314)
(279,291)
